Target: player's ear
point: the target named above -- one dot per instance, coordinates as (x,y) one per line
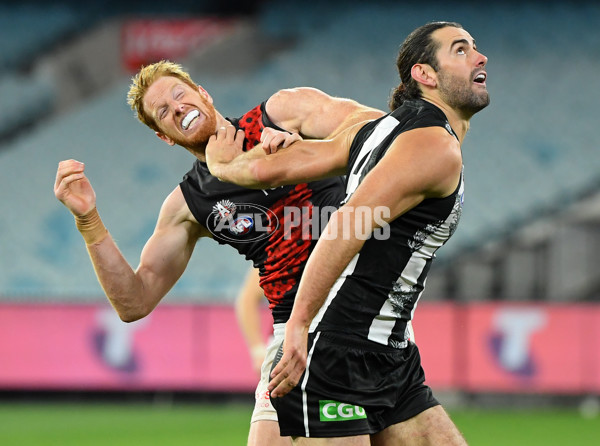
(204,93)
(424,74)
(165,138)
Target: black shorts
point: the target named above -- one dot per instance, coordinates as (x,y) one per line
(353,387)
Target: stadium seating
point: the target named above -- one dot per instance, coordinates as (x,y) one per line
(27,31)
(533,150)
(25,100)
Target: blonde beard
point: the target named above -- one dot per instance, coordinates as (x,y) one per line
(196,143)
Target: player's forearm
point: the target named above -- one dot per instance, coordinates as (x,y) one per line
(301,162)
(334,251)
(247,311)
(122,286)
(243,170)
(266,171)
(249,322)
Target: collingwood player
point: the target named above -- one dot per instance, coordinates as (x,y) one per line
(350,373)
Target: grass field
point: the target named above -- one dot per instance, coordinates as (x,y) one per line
(66,424)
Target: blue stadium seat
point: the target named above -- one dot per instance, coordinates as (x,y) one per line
(27,30)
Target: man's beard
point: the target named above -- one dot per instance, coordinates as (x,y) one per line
(199,139)
(459,94)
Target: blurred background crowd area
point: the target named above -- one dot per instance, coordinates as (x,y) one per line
(530,225)
(530,230)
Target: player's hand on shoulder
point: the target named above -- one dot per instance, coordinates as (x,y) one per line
(73,189)
(272,140)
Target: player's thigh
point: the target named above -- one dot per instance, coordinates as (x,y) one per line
(266,432)
(359,440)
(432,427)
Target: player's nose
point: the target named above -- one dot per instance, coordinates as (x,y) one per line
(481,60)
(179,108)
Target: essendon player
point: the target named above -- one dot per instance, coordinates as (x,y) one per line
(255,222)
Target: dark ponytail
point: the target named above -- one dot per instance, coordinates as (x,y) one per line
(398,97)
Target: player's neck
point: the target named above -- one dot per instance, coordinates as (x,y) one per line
(221,121)
(458,122)
(198,151)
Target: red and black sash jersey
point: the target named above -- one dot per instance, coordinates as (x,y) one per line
(275,228)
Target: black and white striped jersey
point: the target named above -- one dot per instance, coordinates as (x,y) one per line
(376,295)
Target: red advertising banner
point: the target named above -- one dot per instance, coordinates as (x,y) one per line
(434,327)
(589,331)
(500,347)
(89,347)
(526,348)
(145,41)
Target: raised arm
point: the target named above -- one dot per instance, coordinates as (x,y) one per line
(303,161)
(133,294)
(431,165)
(315,114)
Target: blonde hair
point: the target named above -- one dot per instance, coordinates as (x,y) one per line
(145,78)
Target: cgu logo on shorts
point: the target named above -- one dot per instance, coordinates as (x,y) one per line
(241,222)
(335,411)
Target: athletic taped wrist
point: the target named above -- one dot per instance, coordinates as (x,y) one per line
(91,227)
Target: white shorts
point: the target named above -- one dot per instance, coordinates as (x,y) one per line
(263,409)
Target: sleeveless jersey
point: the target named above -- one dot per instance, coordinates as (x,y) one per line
(376,295)
(272,227)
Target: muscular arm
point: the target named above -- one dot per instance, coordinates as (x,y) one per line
(133,293)
(315,114)
(164,258)
(431,165)
(301,162)
(307,111)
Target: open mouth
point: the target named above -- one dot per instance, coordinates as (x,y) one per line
(187,120)
(480,78)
